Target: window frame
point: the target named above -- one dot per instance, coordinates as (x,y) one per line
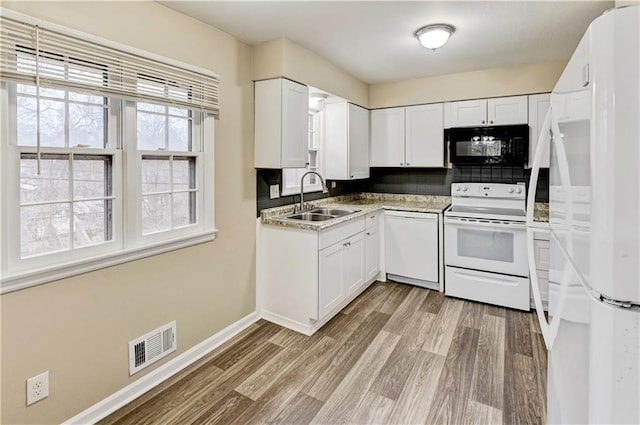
(127,243)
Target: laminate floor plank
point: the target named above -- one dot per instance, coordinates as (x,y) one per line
(397,355)
(225,410)
(443,327)
(300,411)
(414,402)
(346,356)
(481,414)
(518,333)
(374,409)
(520,392)
(432,302)
(240,349)
(488,373)
(396,295)
(471,315)
(454,387)
(281,393)
(401,319)
(354,387)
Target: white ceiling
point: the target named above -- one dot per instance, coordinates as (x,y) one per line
(373,40)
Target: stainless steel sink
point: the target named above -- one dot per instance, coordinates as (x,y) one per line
(338,212)
(309,216)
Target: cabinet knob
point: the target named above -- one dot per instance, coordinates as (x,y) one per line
(483,121)
(491,122)
(352,176)
(368,233)
(408,163)
(402,163)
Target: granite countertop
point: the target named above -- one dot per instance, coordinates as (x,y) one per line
(365,202)
(541,212)
(368,202)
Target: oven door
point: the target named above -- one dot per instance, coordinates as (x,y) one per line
(486,245)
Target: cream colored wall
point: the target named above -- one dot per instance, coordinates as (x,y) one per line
(78,328)
(504,81)
(620,3)
(283,58)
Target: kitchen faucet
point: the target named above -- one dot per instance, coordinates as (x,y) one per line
(324,187)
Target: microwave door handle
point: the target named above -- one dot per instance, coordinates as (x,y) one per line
(543,141)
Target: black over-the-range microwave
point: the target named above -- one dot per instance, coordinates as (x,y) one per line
(498,145)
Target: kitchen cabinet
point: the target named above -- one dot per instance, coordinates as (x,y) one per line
(541,254)
(307,276)
(371,242)
(346,141)
(538,107)
(408,137)
(387,137)
(281,124)
(482,112)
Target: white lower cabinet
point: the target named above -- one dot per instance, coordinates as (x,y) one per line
(341,272)
(308,276)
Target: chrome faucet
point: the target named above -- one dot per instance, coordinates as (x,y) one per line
(324,187)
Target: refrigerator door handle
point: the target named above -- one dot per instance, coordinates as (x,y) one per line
(535,288)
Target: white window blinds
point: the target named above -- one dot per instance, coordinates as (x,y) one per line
(31,50)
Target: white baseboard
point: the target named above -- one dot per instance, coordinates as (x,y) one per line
(134,390)
(288,323)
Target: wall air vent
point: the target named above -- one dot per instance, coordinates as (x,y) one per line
(151,347)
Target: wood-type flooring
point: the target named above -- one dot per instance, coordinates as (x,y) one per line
(397,354)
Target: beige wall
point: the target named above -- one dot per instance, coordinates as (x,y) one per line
(283,58)
(505,81)
(620,3)
(78,328)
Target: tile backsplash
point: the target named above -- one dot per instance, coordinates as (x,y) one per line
(418,181)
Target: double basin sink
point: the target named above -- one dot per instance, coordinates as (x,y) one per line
(320,214)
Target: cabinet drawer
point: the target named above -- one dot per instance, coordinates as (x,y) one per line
(372,219)
(340,231)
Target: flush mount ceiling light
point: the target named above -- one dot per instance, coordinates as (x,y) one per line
(434,36)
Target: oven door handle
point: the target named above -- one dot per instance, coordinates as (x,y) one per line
(486,223)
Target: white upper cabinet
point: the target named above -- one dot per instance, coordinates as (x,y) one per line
(538,107)
(468,113)
(346,141)
(387,137)
(424,140)
(481,112)
(507,110)
(407,137)
(281,124)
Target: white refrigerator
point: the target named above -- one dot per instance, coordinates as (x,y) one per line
(593,327)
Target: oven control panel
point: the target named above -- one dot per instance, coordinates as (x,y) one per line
(489,190)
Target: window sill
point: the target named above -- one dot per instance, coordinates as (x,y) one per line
(28,279)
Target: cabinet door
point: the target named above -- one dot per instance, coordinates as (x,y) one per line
(331,291)
(507,110)
(354,257)
(387,137)
(295,124)
(371,253)
(538,107)
(468,113)
(424,141)
(358,142)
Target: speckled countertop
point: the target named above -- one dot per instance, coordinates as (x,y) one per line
(364,202)
(368,202)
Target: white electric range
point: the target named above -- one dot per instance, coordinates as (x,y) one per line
(485,244)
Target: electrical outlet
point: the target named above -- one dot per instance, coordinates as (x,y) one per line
(37,388)
(274,191)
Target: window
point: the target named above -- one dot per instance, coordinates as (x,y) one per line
(291,176)
(100,165)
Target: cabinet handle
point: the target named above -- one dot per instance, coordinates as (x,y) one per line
(372,217)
